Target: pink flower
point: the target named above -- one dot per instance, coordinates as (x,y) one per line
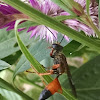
(78,26)
(8,16)
(45,6)
(50,9)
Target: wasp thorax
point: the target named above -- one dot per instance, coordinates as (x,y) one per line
(57,47)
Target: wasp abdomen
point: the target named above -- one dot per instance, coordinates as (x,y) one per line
(50,89)
(45,94)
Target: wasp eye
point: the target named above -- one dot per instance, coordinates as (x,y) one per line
(57,47)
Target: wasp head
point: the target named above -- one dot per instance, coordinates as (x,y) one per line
(57,47)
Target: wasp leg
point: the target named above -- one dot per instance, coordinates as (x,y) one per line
(38,74)
(50,72)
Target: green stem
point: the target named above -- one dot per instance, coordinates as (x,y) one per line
(87,6)
(41,18)
(90,23)
(94,27)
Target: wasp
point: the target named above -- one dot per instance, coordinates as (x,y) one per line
(60,66)
(60,62)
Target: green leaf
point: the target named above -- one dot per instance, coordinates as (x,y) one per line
(75,48)
(27,54)
(71,47)
(8,95)
(88,83)
(47,62)
(41,18)
(87,6)
(87,80)
(38,50)
(61,18)
(32,60)
(2,97)
(63,6)
(5,35)
(9,46)
(4,65)
(27,24)
(13,58)
(7,86)
(35,63)
(56,97)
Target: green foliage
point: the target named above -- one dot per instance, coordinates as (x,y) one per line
(88,83)
(71,47)
(56,97)
(8,42)
(7,86)
(61,18)
(86,78)
(8,95)
(2,97)
(87,6)
(11,59)
(37,51)
(4,65)
(27,24)
(63,6)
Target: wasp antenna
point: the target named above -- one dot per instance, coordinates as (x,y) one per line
(51,32)
(62,39)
